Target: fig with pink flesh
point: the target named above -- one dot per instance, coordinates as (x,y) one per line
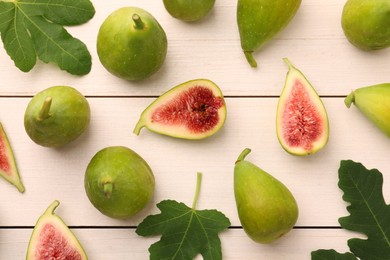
(8,168)
(192,110)
(302,122)
(52,239)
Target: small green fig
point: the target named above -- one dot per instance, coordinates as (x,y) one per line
(131,44)
(260,20)
(366,23)
(189,10)
(56,116)
(374,102)
(266,208)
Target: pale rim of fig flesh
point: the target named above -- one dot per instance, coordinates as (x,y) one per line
(181,130)
(49,218)
(313,125)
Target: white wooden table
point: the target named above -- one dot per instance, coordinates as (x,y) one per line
(314,42)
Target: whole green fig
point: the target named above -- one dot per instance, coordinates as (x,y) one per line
(56,116)
(266,208)
(374,102)
(260,20)
(189,10)
(366,23)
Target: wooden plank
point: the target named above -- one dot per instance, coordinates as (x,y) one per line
(50,174)
(314,42)
(118,244)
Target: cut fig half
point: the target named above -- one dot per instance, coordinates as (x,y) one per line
(302,122)
(52,239)
(8,168)
(192,110)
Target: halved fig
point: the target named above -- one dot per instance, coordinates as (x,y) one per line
(8,168)
(192,110)
(52,239)
(302,122)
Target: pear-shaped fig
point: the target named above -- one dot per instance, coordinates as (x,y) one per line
(374,102)
(366,23)
(189,10)
(301,122)
(266,208)
(260,20)
(131,44)
(119,182)
(52,239)
(192,110)
(8,168)
(56,116)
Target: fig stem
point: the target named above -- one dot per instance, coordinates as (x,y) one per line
(288,62)
(243,154)
(250,59)
(138,23)
(44,112)
(107,188)
(50,210)
(197,190)
(138,127)
(349,99)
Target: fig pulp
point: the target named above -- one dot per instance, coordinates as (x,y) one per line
(8,168)
(118,182)
(131,44)
(366,23)
(192,110)
(260,20)
(301,122)
(56,116)
(374,102)
(266,208)
(189,10)
(52,239)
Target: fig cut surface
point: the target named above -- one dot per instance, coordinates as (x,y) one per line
(8,168)
(192,110)
(302,122)
(52,239)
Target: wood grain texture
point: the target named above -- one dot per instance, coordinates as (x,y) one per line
(314,42)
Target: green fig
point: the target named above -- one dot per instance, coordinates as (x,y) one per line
(260,20)
(374,102)
(301,122)
(131,44)
(366,23)
(192,110)
(56,116)
(266,208)
(189,10)
(119,182)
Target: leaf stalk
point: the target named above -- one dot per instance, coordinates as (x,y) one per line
(197,190)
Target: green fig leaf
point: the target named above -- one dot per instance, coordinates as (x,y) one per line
(331,254)
(34,28)
(369,214)
(185,231)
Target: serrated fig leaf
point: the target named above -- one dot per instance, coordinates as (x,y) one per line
(185,232)
(369,213)
(34,28)
(331,254)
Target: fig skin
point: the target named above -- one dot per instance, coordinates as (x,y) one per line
(56,116)
(181,130)
(131,44)
(189,10)
(49,217)
(374,103)
(266,208)
(260,20)
(311,133)
(119,182)
(366,23)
